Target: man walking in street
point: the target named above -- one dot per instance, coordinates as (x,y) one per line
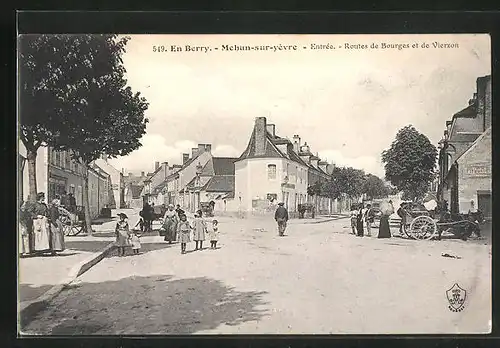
(281,217)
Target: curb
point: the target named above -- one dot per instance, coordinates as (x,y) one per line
(327,220)
(28,309)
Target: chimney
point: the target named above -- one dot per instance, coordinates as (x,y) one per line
(185,158)
(208,148)
(201,148)
(296,143)
(130,174)
(142,174)
(166,169)
(271,128)
(260,136)
(194,152)
(157,165)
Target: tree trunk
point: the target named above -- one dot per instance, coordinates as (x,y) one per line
(31,158)
(86,205)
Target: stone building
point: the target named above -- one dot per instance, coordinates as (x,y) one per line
(465,154)
(117,200)
(268,171)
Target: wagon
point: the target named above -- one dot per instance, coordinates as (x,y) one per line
(73,223)
(425,227)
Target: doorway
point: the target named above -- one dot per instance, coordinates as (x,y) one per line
(484,203)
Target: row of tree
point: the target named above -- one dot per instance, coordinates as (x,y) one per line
(74,96)
(350,182)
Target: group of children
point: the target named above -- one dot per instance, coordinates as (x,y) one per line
(125,237)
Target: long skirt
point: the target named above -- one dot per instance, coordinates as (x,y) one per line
(170,230)
(41,233)
(57,236)
(384,231)
(199,234)
(24,244)
(184,236)
(359,228)
(122,239)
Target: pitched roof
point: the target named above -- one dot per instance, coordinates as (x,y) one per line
(224,165)
(463,137)
(159,187)
(220,183)
(474,144)
(271,149)
(468,112)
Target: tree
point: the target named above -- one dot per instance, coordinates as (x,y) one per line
(99,114)
(45,63)
(374,187)
(344,180)
(410,163)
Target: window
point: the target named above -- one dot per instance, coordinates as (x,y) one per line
(271,171)
(67,163)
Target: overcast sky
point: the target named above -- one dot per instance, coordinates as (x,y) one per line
(346,104)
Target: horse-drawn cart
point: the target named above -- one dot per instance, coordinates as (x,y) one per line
(428,225)
(73,223)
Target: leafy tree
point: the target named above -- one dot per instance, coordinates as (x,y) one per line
(344,181)
(45,64)
(410,163)
(99,114)
(374,187)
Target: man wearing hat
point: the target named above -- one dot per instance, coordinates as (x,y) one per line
(281,217)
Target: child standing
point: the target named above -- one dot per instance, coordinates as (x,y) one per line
(122,234)
(354,216)
(184,230)
(199,228)
(214,234)
(135,240)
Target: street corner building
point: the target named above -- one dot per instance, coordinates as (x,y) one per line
(273,169)
(57,173)
(465,155)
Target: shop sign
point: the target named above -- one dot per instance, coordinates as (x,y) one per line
(478,170)
(290,186)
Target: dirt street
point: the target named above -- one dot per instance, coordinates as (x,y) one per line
(317,279)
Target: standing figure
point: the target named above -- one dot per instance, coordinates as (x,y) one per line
(359,220)
(122,234)
(387,210)
(281,217)
(184,229)
(369,219)
(170,221)
(178,210)
(72,203)
(56,226)
(199,229)
(41,226)
(354,218)
(24,230)
(213,232)
(135,240)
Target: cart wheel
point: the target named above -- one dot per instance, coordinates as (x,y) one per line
(422,227)
(406,230)
(66,223)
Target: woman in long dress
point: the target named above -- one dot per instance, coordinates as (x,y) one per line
(170,221)
(41,226)
(387,210)
(122,234)
(56,227)
(199,229)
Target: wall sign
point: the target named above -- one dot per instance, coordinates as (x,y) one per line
(476,170)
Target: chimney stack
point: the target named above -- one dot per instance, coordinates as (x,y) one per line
(296,143)
(185,158)
(271,129)
(208,148)
(130,174)
(260,129)
(142,173)
(157,165)
(194,152)
(201,148)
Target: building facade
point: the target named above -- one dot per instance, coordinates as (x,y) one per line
(117,183)
(57,173)
(269,171)
(465,154)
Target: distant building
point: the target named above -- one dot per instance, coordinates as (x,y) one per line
(214,182)
(117,183)
(465,154)
(133,198)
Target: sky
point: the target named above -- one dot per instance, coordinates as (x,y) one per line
(347,104)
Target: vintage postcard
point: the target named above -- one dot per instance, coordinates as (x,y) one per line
(254,184)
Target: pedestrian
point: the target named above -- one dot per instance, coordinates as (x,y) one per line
(387,210)
(213,232)
(403,215)
(24,235)
(122,234)
(72,203)
(170,221)
(56,227)
(135,240)
(369,219)
(281,217)
(354,218)
(179,211)
(184,229)
(41,226)
(359,220)
(199,229)
(64,200)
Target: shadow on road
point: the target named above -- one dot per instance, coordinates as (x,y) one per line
(147,305)
(28,292)
(146,248)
